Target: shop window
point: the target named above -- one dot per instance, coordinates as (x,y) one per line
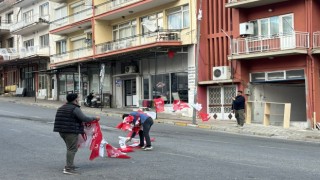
(170,87)
(62,84)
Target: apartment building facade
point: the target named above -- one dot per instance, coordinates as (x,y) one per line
(267,49)
(145,46)
(26,53)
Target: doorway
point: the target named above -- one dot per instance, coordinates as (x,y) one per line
(220,102)
(130,92)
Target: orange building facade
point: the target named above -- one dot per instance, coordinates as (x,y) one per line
(267,49)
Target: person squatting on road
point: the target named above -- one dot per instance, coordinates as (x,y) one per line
(68,122)
(238,108)
(145,122)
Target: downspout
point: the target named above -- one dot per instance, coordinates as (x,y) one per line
(93,30)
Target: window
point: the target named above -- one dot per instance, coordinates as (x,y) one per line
(170,87)
(44,9)
(273,26)
(10,17)
(124,30)
(10,42)
(61,47)
(28,43)
(44,40)
(28,16)
(178,18)
(155,19)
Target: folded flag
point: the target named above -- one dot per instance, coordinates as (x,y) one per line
(115,153)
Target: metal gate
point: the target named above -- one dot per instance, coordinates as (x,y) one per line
(220,102)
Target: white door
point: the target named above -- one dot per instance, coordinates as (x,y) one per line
(220,102)
(287,33)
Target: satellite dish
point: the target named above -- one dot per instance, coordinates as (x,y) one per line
(150,25)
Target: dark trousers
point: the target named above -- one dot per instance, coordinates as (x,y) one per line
(239,114)
(145,133)
(71,141)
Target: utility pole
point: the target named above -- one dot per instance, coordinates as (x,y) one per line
(199,18)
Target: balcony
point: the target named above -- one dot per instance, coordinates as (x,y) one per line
(5,4)
(114,9)
(277,45)
(23,52)
(71,23)
(316,43)
(33,23)
(165,38)
(250,3)
(58,1)
(23,3)
(71,56)
(5,28)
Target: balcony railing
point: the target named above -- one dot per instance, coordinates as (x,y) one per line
(5,26)
(23,52)
(76,17)
(112,5)
(316,39)
(250,3)
(71,55)
(140,39)
(295,40)
(28,21)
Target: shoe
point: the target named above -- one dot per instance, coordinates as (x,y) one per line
(148,148)
(70,171)
(74,167)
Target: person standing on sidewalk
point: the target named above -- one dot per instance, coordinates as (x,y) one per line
(238,105)
(68,122)
(146,122)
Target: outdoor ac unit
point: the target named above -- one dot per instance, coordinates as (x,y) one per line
(246,29)
(221,73)
(130,69)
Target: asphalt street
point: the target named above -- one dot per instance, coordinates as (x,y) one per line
(31,150)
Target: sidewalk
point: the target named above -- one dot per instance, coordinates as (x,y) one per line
(291,133)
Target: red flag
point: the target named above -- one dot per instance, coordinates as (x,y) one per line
(159,104)
(179,105)
(204,116)
(126,149)
(115,153)
(95,143)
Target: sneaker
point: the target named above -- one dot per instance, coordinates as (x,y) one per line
(74,167)
(70,171)
(142,147)
(148,148)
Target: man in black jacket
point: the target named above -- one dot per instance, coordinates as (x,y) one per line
(238,108)
(68,123)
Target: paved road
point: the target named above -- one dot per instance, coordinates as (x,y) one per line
(30,150)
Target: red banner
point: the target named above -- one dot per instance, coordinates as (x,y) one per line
(159,104)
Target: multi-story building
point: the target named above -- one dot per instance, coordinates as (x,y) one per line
(27,51)
(146,47)
(8,74)
(269,50)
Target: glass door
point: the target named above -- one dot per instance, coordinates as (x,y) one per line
(130,92)
(287,34)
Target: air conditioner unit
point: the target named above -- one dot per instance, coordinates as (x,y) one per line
(221,73)
(246,29)
(130,69)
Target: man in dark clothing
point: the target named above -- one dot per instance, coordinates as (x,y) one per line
(68,123)
(144,120)
(238,108)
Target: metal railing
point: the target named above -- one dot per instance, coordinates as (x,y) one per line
(316,39)
(295,40)
(76,17)
(140,39)
(23,52)
(111,5)
(5,26)
(28,21)
(70,55)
